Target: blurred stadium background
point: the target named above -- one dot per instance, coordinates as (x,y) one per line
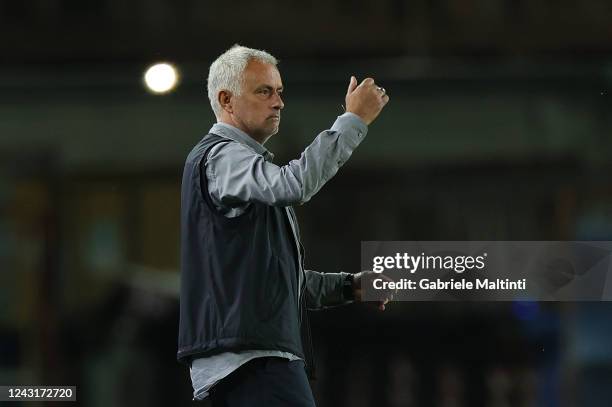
(499,128)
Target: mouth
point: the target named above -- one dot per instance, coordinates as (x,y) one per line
(274,117)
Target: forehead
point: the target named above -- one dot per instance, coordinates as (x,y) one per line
(259,73)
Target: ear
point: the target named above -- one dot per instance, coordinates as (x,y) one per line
(225,100)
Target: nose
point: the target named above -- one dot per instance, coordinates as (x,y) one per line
(278,101)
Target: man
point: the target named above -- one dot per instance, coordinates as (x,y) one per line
(244,289)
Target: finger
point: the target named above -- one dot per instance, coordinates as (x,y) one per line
(352,85)
(367,82)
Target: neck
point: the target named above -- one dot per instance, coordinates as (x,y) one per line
(228,120)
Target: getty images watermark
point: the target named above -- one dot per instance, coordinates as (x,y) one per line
(484,270)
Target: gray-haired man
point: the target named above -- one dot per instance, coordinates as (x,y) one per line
(244,288)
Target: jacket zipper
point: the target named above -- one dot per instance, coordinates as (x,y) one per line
(309,352)
(298,244)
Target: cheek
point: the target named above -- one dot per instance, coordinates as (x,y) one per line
(258,113)
(240,107)
(243,111)
(252,112)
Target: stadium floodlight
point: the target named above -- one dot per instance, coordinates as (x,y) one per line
(161,78)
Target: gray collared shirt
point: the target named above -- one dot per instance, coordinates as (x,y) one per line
(241,172)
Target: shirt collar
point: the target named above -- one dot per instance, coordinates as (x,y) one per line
(233,133)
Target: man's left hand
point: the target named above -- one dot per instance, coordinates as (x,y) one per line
(366,277)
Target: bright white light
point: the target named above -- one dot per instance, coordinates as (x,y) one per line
(161,78)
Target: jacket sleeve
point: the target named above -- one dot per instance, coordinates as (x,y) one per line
(324,290)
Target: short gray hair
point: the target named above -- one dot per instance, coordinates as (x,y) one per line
(225,72)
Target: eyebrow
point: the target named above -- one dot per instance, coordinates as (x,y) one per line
(281,88)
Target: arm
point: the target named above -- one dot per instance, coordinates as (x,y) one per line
(324,290)
(240,175)
(327,290)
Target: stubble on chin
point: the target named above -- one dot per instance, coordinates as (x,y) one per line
(274,129)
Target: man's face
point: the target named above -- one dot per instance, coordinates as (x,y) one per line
(257,109)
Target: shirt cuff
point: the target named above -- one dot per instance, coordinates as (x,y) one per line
(351,125)
(335,289)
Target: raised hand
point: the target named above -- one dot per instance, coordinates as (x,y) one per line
(366,100)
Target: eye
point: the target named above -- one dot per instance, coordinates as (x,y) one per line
(264,92)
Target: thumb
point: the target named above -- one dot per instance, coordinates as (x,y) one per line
(352,85)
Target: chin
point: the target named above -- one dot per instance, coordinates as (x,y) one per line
(266,134)
(272,131)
